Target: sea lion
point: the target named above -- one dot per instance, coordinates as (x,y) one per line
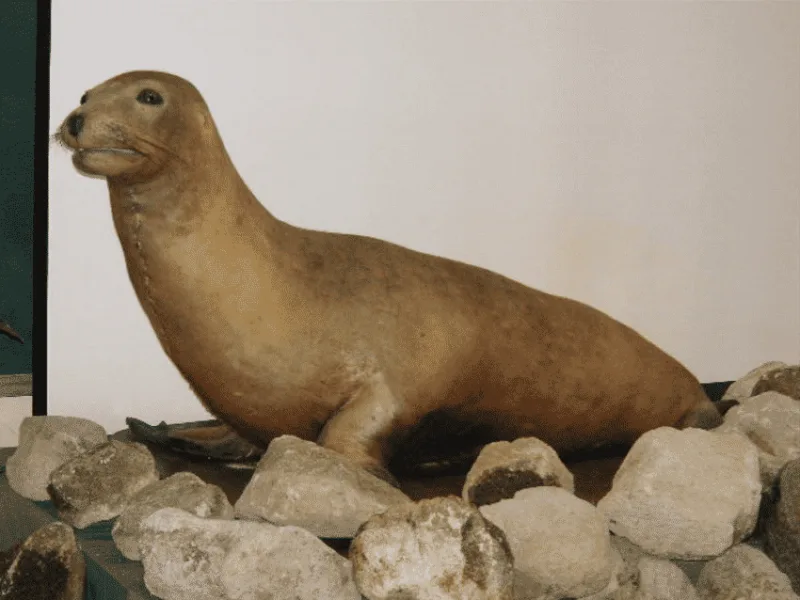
(374,350)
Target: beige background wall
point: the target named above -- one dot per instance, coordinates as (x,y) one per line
(641,157)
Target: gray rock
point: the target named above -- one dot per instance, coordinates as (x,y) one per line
(504,468)
(772,422)
(438,549)
(47,566)
(99,484)
(560,543)
(743,573)
(190,558)
(782,525)
(293,477)
(45,443)
(685,493)
(743,387)
(784,380)
(181,490)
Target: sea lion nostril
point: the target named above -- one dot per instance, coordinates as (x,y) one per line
(75,125)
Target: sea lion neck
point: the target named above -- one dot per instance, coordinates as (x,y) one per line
(188,194)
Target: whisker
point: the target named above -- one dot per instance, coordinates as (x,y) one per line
(58,138)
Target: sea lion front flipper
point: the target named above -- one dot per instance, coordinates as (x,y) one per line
(206,439)
(362,427)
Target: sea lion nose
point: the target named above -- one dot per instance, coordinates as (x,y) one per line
(74,125)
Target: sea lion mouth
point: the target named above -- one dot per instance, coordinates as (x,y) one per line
(122,151)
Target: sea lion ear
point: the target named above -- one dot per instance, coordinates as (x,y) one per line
(205,123)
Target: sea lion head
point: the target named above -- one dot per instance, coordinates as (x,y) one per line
(133,126)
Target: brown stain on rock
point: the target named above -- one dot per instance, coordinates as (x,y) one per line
(36,577)
(785,381)
(502,483)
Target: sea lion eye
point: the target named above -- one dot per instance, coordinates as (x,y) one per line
(84,98)
(149,97)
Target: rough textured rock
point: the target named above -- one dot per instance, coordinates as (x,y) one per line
(190,558)
(47,566)
(613,590)
(560,543)
(743,573)
(659,579)
(45,443)
(630,554)
(181,490)
(785,380)
(99,484)
(439,549)
(639,576)
(294,475)
(504,468)
(743,387)
(772,422)
(782,525)
(685,494)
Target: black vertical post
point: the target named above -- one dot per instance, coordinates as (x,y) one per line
(40,207)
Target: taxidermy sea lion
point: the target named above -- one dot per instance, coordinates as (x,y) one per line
(384,354)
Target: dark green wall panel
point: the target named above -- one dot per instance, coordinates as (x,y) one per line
(17,116)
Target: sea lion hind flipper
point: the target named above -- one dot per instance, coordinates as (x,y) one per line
(723,406)
(210,439)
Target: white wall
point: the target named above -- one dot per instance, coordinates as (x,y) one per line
(643,158)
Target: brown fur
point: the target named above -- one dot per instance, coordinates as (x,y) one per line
(354,342)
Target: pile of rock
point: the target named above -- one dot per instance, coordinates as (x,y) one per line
(691,514)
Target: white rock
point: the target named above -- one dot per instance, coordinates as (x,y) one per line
(772,422)
(613,590)
(294,476)
(191,558)
(182,490)
(631,554)
(743,387)
(439,549)
(560,543)
(504,468)
(685,493)
(45,443)
(659,579)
